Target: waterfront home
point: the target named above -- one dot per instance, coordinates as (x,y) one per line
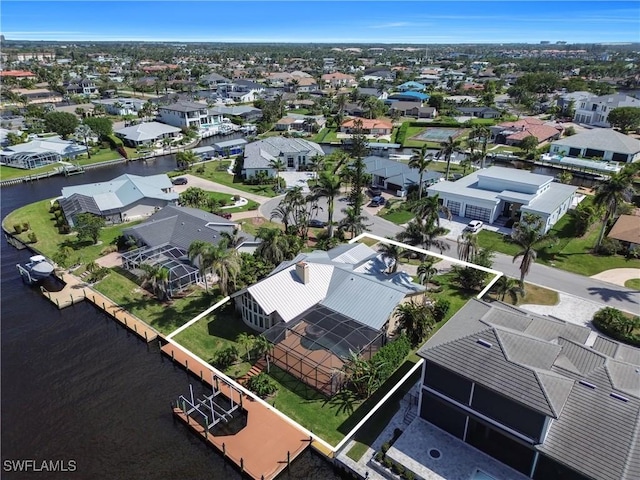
(499,192)
(293,122)
(602,143)
(244,112)
(412,109)
(512,133)
(186,115)
(147,133)
(121,106)
(228,148)
(322,307)
(165,237)
(478,112)
(83,86)
(295,154)
(545,398)
(40,152)
(595,110)
(125,198)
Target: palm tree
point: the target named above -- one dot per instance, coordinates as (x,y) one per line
(426,271)
(193,197)
(85,132)
(199,250)
(282,213)
(508,286)
(421,160)
(226,263)
(352,222)
(610,195)
(528,235)
(392,253)
(467,246)
(328,186)
(483,132)
(186,159)
(428,210)
(415,320)
(275,246)
(448,148)
(423,234)
(235,239)
(278,165)
(247,341)
(157,277)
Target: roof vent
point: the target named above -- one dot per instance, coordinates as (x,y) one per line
(587,384)
(484,343)
(617,396)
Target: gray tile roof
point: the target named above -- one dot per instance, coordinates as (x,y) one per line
(146,131)
(259,154)
(185,107)
(539,362)
(398,173)
(602,139)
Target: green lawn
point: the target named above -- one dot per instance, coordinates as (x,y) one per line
(251,205)
(633,283)
(215,332)
(9,173)
(103,155)
(568,253)
(398,215)
(300,111)
(327,135)
(164,316)
(49,240)
(213,173)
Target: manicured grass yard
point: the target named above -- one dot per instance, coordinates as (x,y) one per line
(568,253)
(8,173)
(633,283)
(164,316)
(396,212)
(212,172)
(251,205)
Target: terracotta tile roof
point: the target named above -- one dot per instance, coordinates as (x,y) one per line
(522,123)
(367,123)
(17,73)
(541,132)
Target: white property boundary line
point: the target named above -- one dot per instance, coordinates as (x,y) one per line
(384,399)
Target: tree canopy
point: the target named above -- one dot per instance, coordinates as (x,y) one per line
(625,118)
(88,226)
(62,123)
(101,126)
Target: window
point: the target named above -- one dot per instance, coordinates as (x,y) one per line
(290,162)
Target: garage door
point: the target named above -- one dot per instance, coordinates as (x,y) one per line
(454,207)
(478,213)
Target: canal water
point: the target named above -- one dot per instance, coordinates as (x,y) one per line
(77,387)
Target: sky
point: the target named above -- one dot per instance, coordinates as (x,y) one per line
(295,21)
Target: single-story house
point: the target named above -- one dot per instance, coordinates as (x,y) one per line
(411,86)
(512,133)
(409,96)
(505,192)
(367,125)
(413,109)
(246,113)
(540,397)
(125,198)
(300,123)
(38,95)
(146,133)
(626,230)
(295,153)
(603,143)
(397,176)
(372,92)
(320,308)
(40,152)
(478,112)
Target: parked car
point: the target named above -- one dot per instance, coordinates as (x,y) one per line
(375,191)
(377,201)
(226,215)
(315,223)
(179,181)
(474,226)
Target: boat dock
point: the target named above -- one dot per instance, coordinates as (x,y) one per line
(75,290)
(262,448)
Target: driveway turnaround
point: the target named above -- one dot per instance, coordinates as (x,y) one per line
(618,276)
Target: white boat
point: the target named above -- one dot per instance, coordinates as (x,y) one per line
(37,268)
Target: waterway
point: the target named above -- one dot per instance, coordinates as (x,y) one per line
(78,387)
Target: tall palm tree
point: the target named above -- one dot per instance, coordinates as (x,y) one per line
(392,253)
(279,166)
(275,246)
(223,261)
(426,271)
(610,195)
(528,235)
(424,234)
(282,212)
(328,186)
(467,246)
(481,132)
(235,239)
(428,210)
(156,277)
(352,222)
(415,320)
(199,251)
(247,341)
(83,130)
(448,148)
(421,160)
(508,286)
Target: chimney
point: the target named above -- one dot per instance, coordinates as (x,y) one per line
(302,270)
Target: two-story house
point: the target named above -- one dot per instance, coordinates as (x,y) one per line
(294,153)
(595,111)
(548,398)
(84,86)
(185,115)
(338,80)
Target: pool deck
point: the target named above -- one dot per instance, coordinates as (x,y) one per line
(263,448)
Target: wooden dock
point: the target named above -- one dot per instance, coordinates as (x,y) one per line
(75,290)
(264,447)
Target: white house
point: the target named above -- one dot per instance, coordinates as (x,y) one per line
(146,133)
(295,153)
(125,198)
(186,115)
(40,152)
(594,111)
(606,144)
(505,192)
(121,106)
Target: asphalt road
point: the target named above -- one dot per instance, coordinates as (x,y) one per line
(578,285)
